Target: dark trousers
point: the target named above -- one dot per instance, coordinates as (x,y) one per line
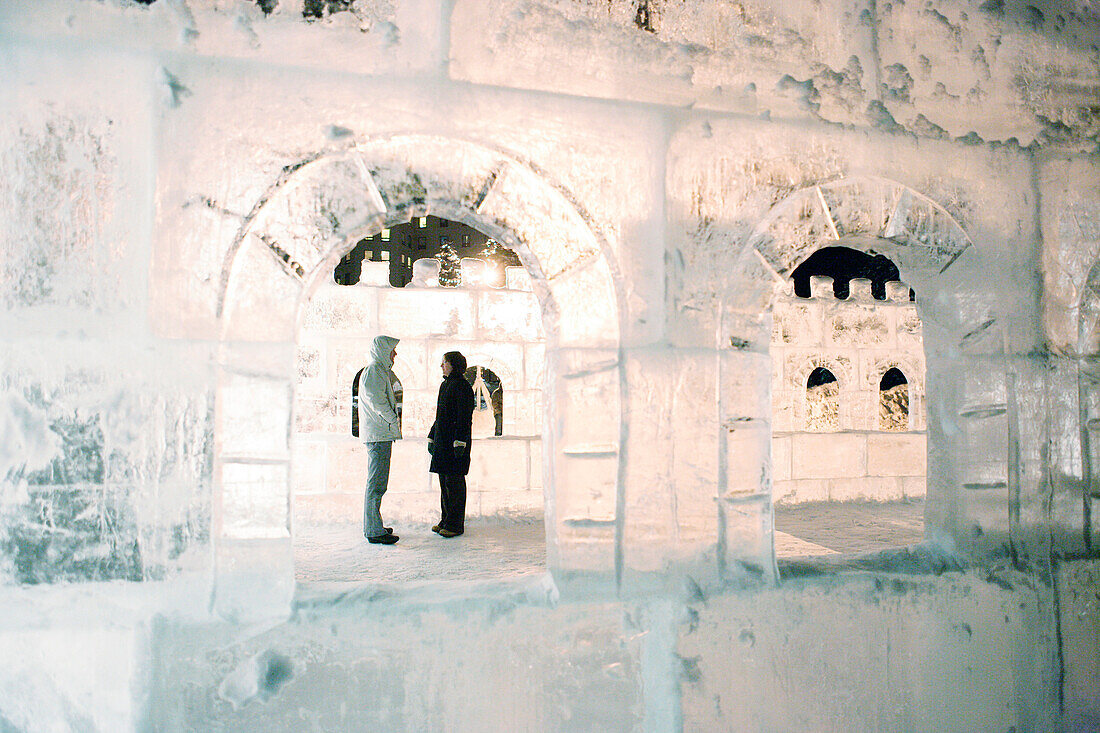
(452,501)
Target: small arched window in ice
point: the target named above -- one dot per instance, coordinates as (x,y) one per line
(822,401)
(488,402)
(893,401)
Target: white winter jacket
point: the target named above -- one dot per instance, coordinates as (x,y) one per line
(378,418)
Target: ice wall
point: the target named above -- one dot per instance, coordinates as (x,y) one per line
(108,436)
(1004,71)
(176,178)
(898,652)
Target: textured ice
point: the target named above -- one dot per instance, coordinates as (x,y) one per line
(931,70)
(178,180)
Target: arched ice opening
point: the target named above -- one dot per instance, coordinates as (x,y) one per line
(292,239)
(864,213)
(893,400)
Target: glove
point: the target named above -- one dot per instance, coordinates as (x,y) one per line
(460,448)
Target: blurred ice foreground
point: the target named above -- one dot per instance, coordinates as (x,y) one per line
(179,178)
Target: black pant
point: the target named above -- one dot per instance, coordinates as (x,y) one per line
(452,501)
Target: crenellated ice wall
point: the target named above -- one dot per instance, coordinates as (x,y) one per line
(852,455)
(178,179)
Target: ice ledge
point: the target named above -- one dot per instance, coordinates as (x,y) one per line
(859,290)
(325,600)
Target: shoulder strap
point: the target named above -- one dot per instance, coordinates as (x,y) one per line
(355,402)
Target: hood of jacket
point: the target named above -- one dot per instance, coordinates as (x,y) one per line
(381,349)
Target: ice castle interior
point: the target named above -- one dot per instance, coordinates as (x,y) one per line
(179,179)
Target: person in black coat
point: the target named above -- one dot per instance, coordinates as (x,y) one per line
(449,443)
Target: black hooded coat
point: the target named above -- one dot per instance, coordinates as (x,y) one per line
(454,414)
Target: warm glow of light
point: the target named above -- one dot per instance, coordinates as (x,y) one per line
(423,222)
(385,256)
(385,235)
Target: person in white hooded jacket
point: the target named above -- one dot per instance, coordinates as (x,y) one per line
(379,426)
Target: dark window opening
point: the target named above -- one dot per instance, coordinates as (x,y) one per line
(892,378)
(844,264)
(822,401)
(893,404)
(818,377)
(319,8)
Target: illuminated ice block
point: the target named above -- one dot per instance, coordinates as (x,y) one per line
(425,273)
(473,272)
(897,291)
(499,464)
(375,273)
(821,287)
(428,313)
(517,278)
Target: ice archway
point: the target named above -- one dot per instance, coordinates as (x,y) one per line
(918,235)
(313,214)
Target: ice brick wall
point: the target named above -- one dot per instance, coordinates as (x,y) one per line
(660,205)
(858,340)
(178,177)
(957,650)
(642,230)
(496,328)
(106,465)
(990,70)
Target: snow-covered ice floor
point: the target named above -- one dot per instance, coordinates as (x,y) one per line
(847,527)
(501,548)
(487,550)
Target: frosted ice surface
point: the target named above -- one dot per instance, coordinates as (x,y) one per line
(244,432)
(939,72)
(516,278)
(263,294)
(345,309)
(506,314)
(258,677)
(562,237)
(189,411)
(435,313)
(30,443)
